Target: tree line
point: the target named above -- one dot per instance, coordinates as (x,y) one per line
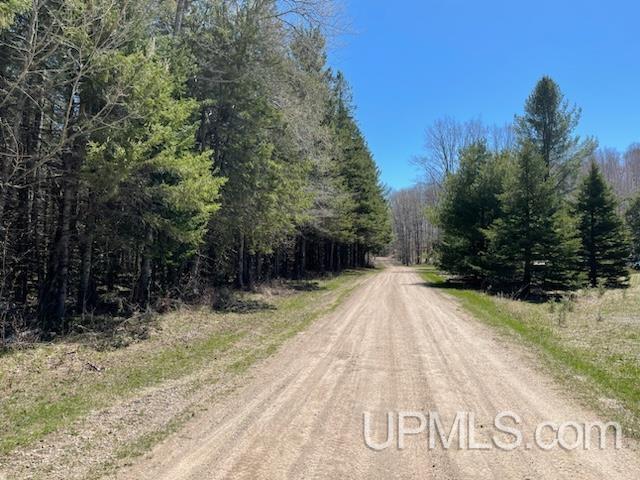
(416,232)
(533,208)
(155,148)
(414,236)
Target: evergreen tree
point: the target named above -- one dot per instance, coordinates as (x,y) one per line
(370,217)
(9,9)
(605,248)
(633,221)
(119,121)
(534,243)
(161,194)
(549,123)
(468,206)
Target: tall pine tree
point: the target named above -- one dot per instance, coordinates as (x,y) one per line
(605,249)
(549,123)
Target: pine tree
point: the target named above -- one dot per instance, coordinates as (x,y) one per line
(534,243)
(605,248)
(469,205)
(369,217)
(633,221)
(160,192)
(9,9)
(549,123)
(118,123)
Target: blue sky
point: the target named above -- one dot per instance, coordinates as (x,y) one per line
(412,61)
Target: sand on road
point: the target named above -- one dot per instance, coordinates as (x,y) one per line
(395,345)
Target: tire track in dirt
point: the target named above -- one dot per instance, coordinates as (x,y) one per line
(394,345)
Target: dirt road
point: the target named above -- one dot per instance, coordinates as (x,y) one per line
(394,345)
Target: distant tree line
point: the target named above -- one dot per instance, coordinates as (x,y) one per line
(153,148)
(533,211)
(416,232)
(414,236)
(622,172)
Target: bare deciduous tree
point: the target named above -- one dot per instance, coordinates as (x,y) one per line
(447,136)
(622,171)
(414,234)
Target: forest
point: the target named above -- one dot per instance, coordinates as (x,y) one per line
(528,207)
(156,149)
(159,149)
(225,254)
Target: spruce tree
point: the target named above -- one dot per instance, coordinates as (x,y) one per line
(534,243)
(605,248)
(370,216)
(469,205)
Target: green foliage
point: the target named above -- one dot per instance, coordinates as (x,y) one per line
(9,9)
(633,221)
(370,219)
(298,168)
(534,243)
(549,123)
(507,218)
(158,151)
(146,167)
(469,205)
(502,220)
(605,247)
(265,197)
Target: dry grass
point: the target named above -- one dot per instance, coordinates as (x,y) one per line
(590,341)
(602,329)
(52,387)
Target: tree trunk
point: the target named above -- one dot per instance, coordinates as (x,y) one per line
(332,251)
(53,306)
(258,267)
(143,290)
(86,259)
(302,266)
(593,264)
(194,276)
(527,276)
(181,8)
(240,269)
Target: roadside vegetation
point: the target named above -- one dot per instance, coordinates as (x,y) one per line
(155,149)
(535,231)
(590,339)
(538,216)
(49,388)
(527,208)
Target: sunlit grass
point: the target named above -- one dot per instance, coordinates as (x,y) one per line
(50,386)
(593,345)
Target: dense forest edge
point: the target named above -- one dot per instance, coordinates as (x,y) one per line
(155,151)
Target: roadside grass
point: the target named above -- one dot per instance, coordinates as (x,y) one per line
(591,342)
(47,388)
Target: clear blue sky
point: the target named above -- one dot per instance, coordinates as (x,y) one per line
(412,61)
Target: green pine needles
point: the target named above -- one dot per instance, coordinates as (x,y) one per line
(605,247)
(519,219)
